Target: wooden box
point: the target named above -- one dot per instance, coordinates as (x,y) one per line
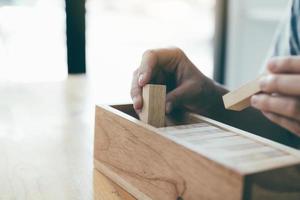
(192,158)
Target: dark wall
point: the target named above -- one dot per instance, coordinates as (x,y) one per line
(220,40)
(75,25)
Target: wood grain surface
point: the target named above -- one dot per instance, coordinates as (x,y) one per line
(154,101)
(46,143)
(239,99)
(105,189)
(150,166)
(202,160)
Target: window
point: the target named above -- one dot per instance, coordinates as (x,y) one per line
(32,40)
(119,31)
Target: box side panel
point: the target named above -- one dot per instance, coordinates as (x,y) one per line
(278,184)
(146,163)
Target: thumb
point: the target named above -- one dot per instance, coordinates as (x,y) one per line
(175,97)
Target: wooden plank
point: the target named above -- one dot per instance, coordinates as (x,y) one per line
(246,134)
(119,180)
(105,189)
(145,162)
(239,99)
(154,100)
(211,140)
(160,163)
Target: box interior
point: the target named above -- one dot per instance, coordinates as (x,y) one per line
(177,117)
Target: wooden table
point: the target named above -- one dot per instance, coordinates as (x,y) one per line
(46,143)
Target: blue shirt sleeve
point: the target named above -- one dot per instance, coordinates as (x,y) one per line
(294,42)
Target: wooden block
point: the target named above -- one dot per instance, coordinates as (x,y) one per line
(240,99)
(154,101)
(163,163)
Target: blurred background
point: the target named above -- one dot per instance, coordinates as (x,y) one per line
(58,58)
(45,40)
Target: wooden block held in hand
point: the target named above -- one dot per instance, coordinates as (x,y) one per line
(154,101)
(240,99)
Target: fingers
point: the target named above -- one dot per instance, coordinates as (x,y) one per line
(152,60)
(177,96)
(148,63)
(284,80)
(281,83)
(289,64)
(136,93)
(173,98)
(281,105)
(287,123)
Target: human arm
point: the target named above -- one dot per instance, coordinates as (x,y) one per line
(191,90)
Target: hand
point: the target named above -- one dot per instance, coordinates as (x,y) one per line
(280,100)
(187,87)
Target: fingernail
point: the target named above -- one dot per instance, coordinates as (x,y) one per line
(254,100)
(141,79)
(136,102)
(268,115)
(168,107)
(272,65)
(263,83)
